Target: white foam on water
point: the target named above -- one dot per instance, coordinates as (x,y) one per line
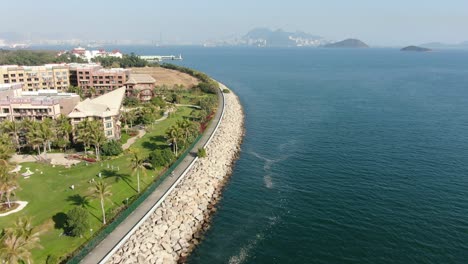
(268,181)
(244,252)
(285,150)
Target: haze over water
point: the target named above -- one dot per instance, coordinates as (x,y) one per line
(350,156)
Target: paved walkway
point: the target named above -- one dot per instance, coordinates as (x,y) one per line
(99,253)
(142,132)
(21,206)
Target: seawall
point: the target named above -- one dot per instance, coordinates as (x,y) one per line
(171,232)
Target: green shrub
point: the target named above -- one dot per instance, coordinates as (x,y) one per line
(51,259)
(226,91)
(111,148)
(131,101)
(77,221)
(161,157)
(158,101)
(201,153)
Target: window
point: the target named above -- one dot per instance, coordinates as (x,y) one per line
(12,75)
(6,110)
(20,75)
(21,80)
(109,125)
(109,133)
(108,118)
(5,75)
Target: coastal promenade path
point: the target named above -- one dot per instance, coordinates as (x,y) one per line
(114,240)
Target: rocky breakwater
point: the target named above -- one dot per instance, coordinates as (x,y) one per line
(169,235)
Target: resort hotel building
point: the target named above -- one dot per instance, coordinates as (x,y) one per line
(105,108)
(17,104)
(35,78)
(93,79)
(141,86)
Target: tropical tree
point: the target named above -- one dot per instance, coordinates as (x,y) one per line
(77,221)
(47,134)
(17,242)
(138,164)
(98,138)
(63,129)
(173,135)
(124,118)
(83,134)
(8,182)
(6,147)
(131,117)
(12,128)
(188,129)
(101,191)
(35,140)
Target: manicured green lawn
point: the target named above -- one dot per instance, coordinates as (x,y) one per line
(49,195)
(124,137)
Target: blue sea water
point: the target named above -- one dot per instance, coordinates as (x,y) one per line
(349,156)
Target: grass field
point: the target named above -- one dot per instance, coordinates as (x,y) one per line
(50,196)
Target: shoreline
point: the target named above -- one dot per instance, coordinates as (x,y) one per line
(175,228)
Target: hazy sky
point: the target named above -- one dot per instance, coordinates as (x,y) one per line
(394,22)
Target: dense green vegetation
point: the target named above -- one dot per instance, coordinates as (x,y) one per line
(34,58)
(127,61)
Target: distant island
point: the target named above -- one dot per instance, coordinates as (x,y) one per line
(347,43)
(416,49)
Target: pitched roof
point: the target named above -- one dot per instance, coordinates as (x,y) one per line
(136,78)
(103,106)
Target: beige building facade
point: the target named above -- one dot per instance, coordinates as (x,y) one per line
(17,104)
(105,108)
(36,78)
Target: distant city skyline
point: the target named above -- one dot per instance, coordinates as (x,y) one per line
(394,23)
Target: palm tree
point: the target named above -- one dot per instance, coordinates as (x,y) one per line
(97,137)
(173,134)
(63,129)
(131,117)
(124,118)
(17,242)
(6,147)
(83,133)
(138,165)
(34,137)
(188,129)
(101,191)
(12,128)
(8,183)
(46,133)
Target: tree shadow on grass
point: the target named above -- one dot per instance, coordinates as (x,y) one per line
(60,220)
(154,143)
(81,201)
(118,177)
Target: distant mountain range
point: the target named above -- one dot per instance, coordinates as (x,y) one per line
(264,37)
